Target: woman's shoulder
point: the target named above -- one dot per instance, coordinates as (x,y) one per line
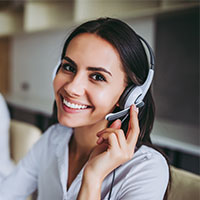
(56,133)
(146,162)
(147,156)
(51,141)
(148,171)
(147,165)
(149,153)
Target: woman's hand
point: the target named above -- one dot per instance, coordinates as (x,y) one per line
(114,148)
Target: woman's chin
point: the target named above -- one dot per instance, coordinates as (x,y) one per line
(71,123)
(79,123)
(65,122)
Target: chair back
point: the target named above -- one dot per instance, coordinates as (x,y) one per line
(22,137)
(185,185)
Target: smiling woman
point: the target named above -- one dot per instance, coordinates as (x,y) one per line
(90,75)
(101,60)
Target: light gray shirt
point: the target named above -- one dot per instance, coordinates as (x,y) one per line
(45,167)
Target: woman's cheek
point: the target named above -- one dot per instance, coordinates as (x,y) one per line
(56,84)
(59,82)
(105,100)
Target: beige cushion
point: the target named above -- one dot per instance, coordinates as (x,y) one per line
(185,185)
(22,138)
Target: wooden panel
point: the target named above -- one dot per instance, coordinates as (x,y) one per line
(4,64)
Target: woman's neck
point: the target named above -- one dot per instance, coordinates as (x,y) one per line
(81,144)
(84,139)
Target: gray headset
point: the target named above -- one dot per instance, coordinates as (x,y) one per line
(134,94)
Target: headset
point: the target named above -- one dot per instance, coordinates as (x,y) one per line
(134,94)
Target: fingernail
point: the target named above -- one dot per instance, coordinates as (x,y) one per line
(135,108)
(100,140)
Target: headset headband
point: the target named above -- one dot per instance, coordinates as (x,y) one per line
(151,54)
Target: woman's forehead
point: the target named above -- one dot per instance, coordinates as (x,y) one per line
(95,49)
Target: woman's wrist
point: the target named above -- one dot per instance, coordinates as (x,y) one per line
(90,187)
(90,177)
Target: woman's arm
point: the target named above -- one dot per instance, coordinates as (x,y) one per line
(90,187)
(114,148)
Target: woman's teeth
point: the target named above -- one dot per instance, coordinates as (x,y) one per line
(72,105)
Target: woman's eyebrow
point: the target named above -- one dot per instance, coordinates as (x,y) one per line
(99,69)
(69,60)
(88,68)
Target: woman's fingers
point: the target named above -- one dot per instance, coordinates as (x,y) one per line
(118,132)
(115,125)
(113,141)
(134,129)
(132,133)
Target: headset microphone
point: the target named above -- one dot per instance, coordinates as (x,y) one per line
(134,94)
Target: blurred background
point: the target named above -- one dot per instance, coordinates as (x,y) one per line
(32,34)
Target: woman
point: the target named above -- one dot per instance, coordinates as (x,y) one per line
(84,156)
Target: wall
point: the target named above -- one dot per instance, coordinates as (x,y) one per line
(176,83)
(33,57)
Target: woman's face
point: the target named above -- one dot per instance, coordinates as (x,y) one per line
(90,81)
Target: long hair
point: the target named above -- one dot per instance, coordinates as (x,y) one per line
(135,62)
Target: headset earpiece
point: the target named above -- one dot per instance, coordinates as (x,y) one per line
(134,94)
(124,96)
(130,96)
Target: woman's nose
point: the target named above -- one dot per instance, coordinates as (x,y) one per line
(76,86)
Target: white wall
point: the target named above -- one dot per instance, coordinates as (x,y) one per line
(145,27)
(33,57)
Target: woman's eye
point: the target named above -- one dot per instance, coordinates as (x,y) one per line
(98,77)
(69,68)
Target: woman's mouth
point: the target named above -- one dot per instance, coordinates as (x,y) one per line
(74,106)
(71,107)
